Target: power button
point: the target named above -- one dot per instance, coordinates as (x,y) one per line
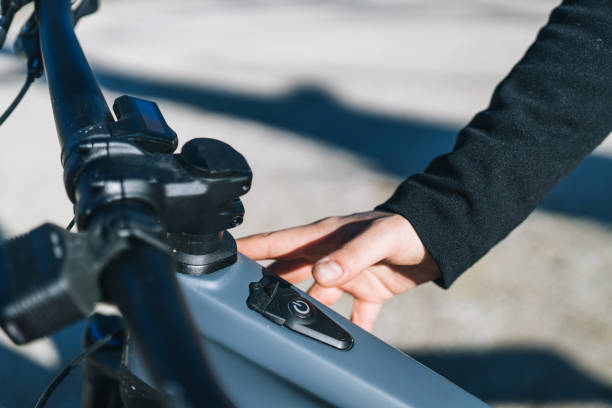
(278,301)
(300,307)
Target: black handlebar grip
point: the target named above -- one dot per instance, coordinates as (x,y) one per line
(36,298)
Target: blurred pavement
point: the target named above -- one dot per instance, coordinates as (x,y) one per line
(333,103)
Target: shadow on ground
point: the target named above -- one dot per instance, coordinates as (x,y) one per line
(396,144)
(528,375)
(516,375)
(400,146)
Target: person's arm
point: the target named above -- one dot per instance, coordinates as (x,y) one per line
(553,108)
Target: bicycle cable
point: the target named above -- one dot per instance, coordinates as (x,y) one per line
(29,80)
(44,397)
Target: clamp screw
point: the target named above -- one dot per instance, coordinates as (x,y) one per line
(237,220)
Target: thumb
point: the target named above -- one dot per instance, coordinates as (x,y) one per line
(366,249)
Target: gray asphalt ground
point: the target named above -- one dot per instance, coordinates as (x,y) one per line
(333,103)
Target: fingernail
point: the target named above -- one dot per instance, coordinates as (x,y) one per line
(327,270)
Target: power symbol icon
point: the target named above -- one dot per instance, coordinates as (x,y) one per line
(300,308)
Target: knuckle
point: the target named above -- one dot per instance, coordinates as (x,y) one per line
(387,221)
(330,221)
(379,223)
(328,224)
(388,228)
(399,219)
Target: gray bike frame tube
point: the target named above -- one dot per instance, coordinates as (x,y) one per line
(259,363)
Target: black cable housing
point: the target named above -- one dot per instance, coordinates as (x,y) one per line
(44,397)
(29,79)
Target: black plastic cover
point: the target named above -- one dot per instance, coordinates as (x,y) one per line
(213,158)
(276,300)
(142,122)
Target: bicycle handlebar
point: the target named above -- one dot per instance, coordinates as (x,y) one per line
(79,107)
(141,281)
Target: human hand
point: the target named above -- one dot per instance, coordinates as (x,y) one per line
(371,256)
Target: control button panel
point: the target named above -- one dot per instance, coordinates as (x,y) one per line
(274,298)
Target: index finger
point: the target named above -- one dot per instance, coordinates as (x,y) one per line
(282,244)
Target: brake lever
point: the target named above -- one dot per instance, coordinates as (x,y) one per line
(27,43)
(9,9)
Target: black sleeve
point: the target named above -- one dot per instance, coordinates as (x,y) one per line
(553,108)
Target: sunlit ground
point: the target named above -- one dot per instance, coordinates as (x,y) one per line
(333,103)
